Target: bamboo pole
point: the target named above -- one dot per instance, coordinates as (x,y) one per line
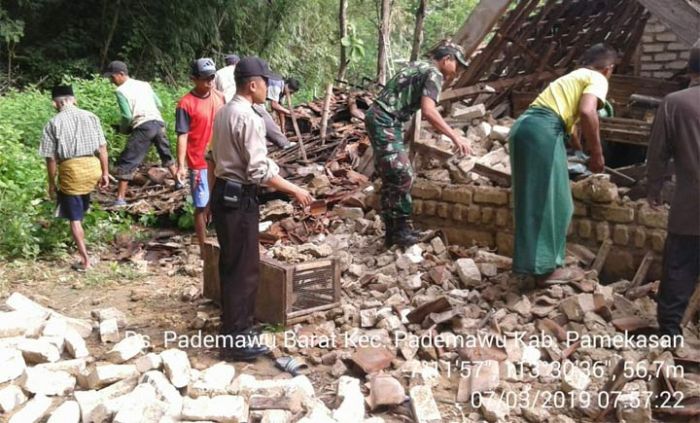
(300,140)
(326,112)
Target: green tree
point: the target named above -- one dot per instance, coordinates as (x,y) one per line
(11,31)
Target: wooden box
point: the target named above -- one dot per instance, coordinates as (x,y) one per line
(287,292)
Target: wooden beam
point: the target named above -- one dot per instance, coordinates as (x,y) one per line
(642,270)
(602,256)
(497,85)
(620,178)
(300,139)
(414,135)
(622,130)
(678,15)
(324,115)
(479,23)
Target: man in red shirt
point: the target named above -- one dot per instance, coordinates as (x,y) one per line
(194,119)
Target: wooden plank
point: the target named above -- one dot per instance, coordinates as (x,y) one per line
(620,178)
(211,287)
(324,114)
(642,270)
(455,94)
(679,16)
(628,131)
(601,256)
(486,56)
(479,23)
(414,134)
(300,139)
(635,171)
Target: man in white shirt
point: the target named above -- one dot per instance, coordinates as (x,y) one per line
(224,80)
(139,106)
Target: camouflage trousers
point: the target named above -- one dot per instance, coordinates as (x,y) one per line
(391,162)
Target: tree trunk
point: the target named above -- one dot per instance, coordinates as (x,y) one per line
(110,35)
(384,32)
(418,33)
(342,21)
(9,64)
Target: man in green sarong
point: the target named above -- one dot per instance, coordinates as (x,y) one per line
(417,86)
(543,206)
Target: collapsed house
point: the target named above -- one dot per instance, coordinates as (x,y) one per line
(516,48)
(325,275)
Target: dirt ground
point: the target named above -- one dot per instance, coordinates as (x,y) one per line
(149,289)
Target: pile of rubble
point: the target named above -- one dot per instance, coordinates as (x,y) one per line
(47,373)
(436,324)
(489,162)
(152,191)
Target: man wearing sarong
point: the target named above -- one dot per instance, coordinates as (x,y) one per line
(416,86)
(75,149)
(543,206)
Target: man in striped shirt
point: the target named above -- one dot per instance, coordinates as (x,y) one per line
(74,147)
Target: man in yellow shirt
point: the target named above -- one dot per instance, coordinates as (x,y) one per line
(543,206)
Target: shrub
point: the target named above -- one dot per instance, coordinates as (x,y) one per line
(28,228)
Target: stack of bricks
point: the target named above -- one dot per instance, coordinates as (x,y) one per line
(479,215)
(663,54)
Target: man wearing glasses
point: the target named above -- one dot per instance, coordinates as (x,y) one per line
(194,120)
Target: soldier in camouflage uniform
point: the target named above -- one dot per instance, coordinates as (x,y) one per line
(418,85)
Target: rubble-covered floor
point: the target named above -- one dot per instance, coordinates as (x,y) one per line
(410,338)
(434,333)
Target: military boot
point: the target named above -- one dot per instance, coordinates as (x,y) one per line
(403,234)
(388,232)
(416,233)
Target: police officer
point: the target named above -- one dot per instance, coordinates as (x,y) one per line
(241,166)
(417,86)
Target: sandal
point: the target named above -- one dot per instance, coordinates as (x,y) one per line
(291,365)
(79,267)
(561,275)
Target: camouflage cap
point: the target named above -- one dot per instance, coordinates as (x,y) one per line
(450,48)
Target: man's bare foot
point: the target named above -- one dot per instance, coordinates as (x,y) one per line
(84,264)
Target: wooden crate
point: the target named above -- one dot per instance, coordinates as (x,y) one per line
(287,292)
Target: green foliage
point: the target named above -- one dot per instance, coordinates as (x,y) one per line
(158,39)
(29,228)
(354,44)
(11,30)
(185,220)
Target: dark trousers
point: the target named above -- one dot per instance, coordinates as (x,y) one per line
(681,269)
(273,133)
(239,258)
(140,140)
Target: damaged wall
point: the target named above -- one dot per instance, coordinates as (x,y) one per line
(663,54)
(483,215)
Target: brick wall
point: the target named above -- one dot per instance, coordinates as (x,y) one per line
(662,53)
(483,216)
